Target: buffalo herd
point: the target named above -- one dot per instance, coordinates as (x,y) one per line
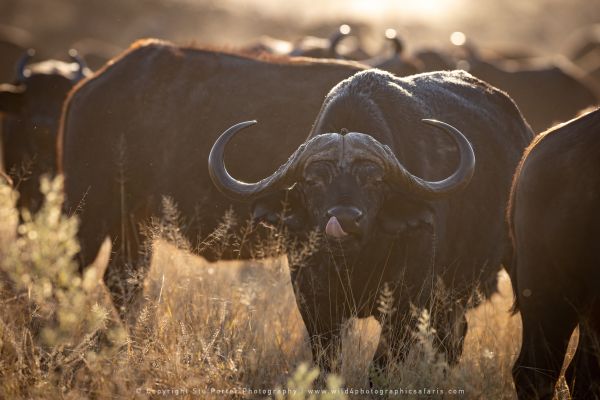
(398,168)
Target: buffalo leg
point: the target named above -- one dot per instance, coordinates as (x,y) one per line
(127,262)
(324,333)
(395,340)
(322,318)
(325,339)
(583,374)
(325,346)
(90,237)
(450,334)
(547,328)
(130,260)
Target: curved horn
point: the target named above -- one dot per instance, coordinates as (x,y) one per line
(392,35)
(242,191)
(75,57)
(457,181)
(343,31)
(22,63)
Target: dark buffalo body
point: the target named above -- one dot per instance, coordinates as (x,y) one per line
(556,274)
(142,129)
(388,215)
(31,107)
(546,92)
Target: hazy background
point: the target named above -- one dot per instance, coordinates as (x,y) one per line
(55,25)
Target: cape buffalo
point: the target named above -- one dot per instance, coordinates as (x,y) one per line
(32,106)
(141,127)
(400,204)
(311,46)
(555,226)
(546,92)
(398,63)
(308,46)
(435,59)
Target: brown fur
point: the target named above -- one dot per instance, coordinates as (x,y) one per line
(161,106)
(555,229)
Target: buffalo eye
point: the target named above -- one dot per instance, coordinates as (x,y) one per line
(311,182)
(368,173)
(317,174)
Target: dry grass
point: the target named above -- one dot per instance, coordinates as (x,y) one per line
(202,328)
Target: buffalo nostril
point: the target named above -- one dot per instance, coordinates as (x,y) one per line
(348,217)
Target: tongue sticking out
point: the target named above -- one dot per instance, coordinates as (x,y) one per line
(334,229)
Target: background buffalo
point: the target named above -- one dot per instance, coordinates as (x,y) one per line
(555,228)
(31,106)
(217,325)
(153,78)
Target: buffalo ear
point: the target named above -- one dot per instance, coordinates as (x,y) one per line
(400,215)
(283,207)
(11,98)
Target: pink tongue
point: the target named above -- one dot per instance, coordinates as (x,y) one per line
(334,228)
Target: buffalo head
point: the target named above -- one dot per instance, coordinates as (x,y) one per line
(49,76)
(340,182)
(33,105)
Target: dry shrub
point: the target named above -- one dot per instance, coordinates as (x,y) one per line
(58,328)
